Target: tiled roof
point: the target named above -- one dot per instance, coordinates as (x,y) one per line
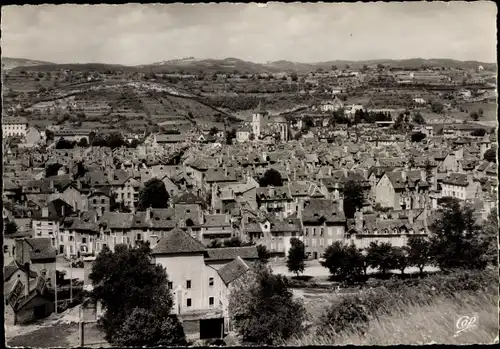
(230,253)
(273,193)
(456,179)
(117,220)
(233,270)
(217,220)
(41,248)
(177,241)
(322,210)
(188,198)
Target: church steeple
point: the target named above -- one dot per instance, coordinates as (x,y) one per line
(260,109)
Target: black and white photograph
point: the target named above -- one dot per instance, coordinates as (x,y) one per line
(250,174)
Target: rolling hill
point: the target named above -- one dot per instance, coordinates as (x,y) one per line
(11,63)
(192,65)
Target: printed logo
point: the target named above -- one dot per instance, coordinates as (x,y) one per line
(464,324)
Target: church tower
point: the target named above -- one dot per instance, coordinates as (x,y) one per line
(257,120)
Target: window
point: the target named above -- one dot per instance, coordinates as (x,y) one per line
(170,285)
(84,240)
(188,283)
(50,223)
(210,281)
(53,241)
(188,302)
(211,301)
(102,201)
(71,238)
(5,249)
(321,231)
(314,232)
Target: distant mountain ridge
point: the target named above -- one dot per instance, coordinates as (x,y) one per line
(231,64)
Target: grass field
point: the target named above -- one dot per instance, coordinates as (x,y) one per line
(416,324)
(423,313)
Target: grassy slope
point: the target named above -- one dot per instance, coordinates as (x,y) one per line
(412,322)
(417,324)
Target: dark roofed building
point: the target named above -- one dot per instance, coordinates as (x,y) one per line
(177,241)
(233,270)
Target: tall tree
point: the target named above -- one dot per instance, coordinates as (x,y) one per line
(455,238)
(401,258)
(153,194)
(343,260)
(263,309)
(125,281)
(296,256)
(380,256)
(353,197)
(489,236)
(271,178)
(419,252)
(264,254)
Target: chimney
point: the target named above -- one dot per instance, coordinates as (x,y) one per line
(358,220)
(45,212)
(148,213)
(51,185)
(403,175)
(63,211)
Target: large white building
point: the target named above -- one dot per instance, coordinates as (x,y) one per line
(14,126)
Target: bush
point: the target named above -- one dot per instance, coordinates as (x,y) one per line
(345,314)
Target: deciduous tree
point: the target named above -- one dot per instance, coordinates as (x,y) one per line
(264,254)
(271,177)
(455,238)
(125,280)
(153,194)
(263,309)
(353,198)
(343,260)
(296,256)
(419,252)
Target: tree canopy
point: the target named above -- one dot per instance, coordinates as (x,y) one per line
(52,169)
(64,144)
(490,155)
(264,254)
(455,237)
(343,260)
(296,256)
(353,198)
(263,309)
(131,288)
(153,194)
(271,177)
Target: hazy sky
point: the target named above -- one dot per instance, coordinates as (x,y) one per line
(135,34)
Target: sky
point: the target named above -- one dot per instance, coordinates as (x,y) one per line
(134,34)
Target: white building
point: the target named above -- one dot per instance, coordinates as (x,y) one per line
(14,126)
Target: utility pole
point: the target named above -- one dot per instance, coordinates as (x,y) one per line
(55,282)
(71,279)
